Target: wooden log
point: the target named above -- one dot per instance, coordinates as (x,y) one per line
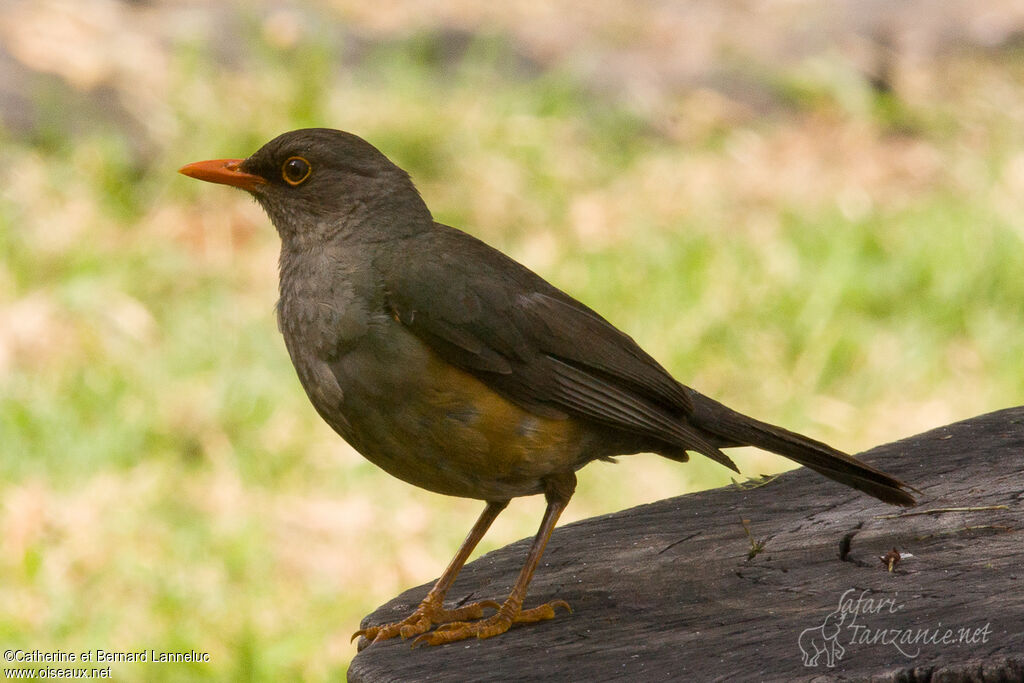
(678,590)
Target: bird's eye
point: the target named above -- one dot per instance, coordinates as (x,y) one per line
(295,170)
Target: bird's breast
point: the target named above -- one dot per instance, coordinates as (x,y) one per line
(441,428)
(401,405)
(326,301)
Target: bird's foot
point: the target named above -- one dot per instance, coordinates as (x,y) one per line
(494,625)
(429,613)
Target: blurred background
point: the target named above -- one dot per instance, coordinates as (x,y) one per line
(812,211)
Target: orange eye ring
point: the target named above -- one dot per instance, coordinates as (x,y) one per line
(295,170)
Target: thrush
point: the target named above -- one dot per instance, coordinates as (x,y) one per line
(457,369)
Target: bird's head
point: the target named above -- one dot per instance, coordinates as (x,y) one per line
(318,184)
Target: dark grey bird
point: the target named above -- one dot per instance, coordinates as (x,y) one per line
(457,369)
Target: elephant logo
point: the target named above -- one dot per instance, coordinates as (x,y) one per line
(823,640)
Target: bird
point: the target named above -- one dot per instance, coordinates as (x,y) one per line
(459,370)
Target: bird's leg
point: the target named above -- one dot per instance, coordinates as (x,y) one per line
(431,611)
(558,489)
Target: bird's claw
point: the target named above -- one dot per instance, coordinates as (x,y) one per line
(420,621)
(491,626)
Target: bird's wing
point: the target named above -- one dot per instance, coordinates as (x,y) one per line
(486,314)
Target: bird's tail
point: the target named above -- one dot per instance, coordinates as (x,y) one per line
(730,428)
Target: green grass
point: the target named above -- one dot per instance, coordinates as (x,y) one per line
(842,266)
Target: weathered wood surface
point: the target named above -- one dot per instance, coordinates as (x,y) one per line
(667,591)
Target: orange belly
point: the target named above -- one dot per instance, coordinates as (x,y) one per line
(442,429)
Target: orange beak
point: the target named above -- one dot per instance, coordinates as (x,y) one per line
(223,171)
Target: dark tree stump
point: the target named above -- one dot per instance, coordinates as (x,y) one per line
(670,590)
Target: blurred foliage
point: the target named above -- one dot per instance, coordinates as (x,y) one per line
(796,238)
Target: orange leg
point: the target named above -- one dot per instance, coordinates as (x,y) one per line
(431,611)
(558,490)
